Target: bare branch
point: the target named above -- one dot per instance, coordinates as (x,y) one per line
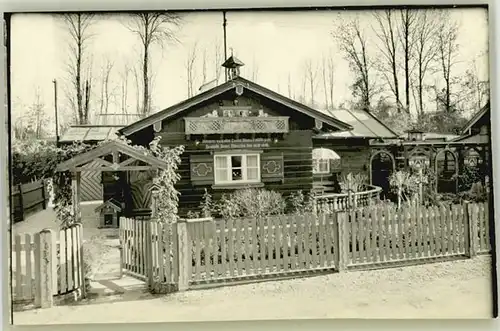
(152,28)
(79,30)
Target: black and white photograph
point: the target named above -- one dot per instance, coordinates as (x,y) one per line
(238,165)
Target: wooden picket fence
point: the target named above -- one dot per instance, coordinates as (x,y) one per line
(149,246)
(46,265)
(384,235)
(247,248)
(203,252)
(28,198)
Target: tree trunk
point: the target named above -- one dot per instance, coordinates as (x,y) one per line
(79,74)
(145,104)
(407,71)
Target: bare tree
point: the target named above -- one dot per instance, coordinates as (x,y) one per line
(255,70)
(327,77)
(218,60)
(106,92)
(406,34)
(311,74)
(447,56)
(151,28)
(204,66)
(352,42)
(37,118)
(78,25)
(124,88)
(138,86)
(191,69)
(473,93)
(388,47)
(425,50)
(289,86)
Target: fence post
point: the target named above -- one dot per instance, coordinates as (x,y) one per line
(44,201)
(149,252)
(183,254)
(43,297)
(470,230)
(81,253)
(342,237)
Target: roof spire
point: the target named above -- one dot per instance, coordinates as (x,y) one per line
(233,64)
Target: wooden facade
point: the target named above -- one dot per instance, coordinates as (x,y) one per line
(238,122)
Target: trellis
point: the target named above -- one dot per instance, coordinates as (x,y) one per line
(406,154)
(114,156)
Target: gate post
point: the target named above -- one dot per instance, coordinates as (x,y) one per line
(43,292)
(471,230)
(183,254)
(342,236)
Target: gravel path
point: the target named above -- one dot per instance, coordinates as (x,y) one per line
(459,289)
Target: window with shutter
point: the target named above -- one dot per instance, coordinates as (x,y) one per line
(272,167)
(202,169)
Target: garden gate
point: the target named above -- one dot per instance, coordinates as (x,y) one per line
(149,250)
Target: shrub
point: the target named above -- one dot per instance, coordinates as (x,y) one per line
(355,182)
(250,202)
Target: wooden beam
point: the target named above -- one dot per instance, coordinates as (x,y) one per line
(103,162)
(118,168)
(127,162)
(116,157)
(110,148)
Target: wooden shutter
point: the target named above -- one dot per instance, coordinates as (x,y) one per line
(202,169)
(271,167)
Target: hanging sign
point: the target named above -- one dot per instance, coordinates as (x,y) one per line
(236,143)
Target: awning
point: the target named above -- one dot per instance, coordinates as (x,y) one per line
(324,154)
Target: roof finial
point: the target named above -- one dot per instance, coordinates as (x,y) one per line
(232,64)
(232,51)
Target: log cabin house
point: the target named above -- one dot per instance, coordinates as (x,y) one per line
(240,134)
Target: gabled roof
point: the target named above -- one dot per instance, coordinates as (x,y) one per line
(476,118)
(86,133)
(113,203)
(111,147)
(227,86)
(364,124)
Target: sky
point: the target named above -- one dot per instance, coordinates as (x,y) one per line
(274,44)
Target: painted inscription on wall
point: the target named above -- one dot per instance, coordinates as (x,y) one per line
(237,143)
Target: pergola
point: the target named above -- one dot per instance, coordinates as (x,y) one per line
(112,156)
(412,154)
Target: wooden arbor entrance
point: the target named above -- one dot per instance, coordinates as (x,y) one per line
(447,161)
(114,157)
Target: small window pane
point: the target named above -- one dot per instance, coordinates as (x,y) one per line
(237,174)
(252,173)
(236,161)
(221,162)
(323,166)
(221,175)
(252,161)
